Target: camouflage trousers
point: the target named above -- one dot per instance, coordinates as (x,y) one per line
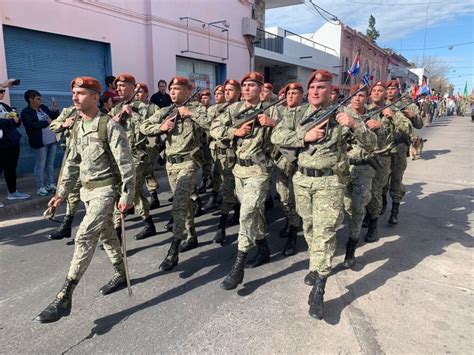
(251,192)
(207,161)
(140,202)
(73,199)
(284,187)
(378,182)
(151,182)
(357,197)
(96,225)
(229,200)
(182,180)
(320,203)
(398,166)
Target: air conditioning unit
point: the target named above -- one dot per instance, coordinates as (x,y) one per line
(249,27)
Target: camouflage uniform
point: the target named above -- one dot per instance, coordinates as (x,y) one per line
(98,165)
(252,173)
(183,149)
(224,158)
(154,149)
(320,183)
(73,199)
(138,146)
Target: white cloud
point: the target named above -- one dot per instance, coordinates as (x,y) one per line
(392,21)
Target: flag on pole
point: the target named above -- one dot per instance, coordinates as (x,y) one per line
(355,68)
(465,91)
(366,78)
(414,92)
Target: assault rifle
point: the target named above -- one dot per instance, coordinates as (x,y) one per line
(246,116)
(376,112)
(173,113)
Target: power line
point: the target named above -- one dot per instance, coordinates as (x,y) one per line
(400,4)
(449,46)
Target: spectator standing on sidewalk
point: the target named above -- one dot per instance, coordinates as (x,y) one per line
(36,118)
(9,148)
(111,90)
(161,98)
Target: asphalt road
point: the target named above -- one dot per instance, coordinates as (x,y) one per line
(411,292)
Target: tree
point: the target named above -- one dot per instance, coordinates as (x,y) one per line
(372,33)
(434,65)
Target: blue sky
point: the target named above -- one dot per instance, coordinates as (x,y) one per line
(401,24)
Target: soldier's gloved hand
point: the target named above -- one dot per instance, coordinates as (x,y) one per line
(243,130)
(345,120)
(185,112)
(373,124)
(266,121)
(123,206)
(388,112)
(68,123)
(168,124)
(314,134)
(55,201)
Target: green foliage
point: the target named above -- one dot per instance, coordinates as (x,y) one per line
(372,33)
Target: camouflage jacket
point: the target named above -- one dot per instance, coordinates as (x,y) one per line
(94,159)
(131,124)
(213,114)
(186,137)
(57,125)
(331,152)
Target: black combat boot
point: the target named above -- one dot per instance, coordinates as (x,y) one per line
(148,231)
(219,237)
(315,300)
(117,282)
(309,278)
(198,211)
(384,204)
(394,214)
(286,229)
(61,306)
(212,202)
(202,187)
(64,230)
(269,201)
(209,183)
(171,259)
(191,242)
(170,199)
(349,259)
(169,226)
(290,246)
(154,201)
(371,235)
(236,275)
(262,256)
(236,217)
(365,222)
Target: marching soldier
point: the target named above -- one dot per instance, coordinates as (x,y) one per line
(101,159)
(225,157)
(183,130)
(334,94)
(321,178)
(399,152)
(252,173)
(154,150)
(294,98)
(130,113)
(267,93)
(64,123)
(206,180)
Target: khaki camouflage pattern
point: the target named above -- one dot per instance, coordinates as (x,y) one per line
(93,161)
(320,200)
(154,149)
(184,142)
(251,182)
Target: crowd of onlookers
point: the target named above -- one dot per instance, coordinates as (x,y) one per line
(36,117)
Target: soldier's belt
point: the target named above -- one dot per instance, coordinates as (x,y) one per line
(245,162)
(176,159)
(221,150)
(316,172)
(358,162)
(91,185)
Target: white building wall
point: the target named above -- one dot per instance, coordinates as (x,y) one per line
(328,35)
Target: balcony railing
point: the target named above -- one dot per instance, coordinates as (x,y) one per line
(269,41)
(309,42)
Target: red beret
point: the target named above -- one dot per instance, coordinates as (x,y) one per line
(377,83)
(268,86)
(253,76)
(294,86)
(232,82)
(335,89)
(356,87)
(127,78)
(205,92)
(282,90)
(319,75)
(143,86)
(86,82)
(218,88)
(179,80)
(392,83)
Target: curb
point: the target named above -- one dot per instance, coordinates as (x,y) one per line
(12,208)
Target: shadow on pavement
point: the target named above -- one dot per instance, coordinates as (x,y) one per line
(432,154)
